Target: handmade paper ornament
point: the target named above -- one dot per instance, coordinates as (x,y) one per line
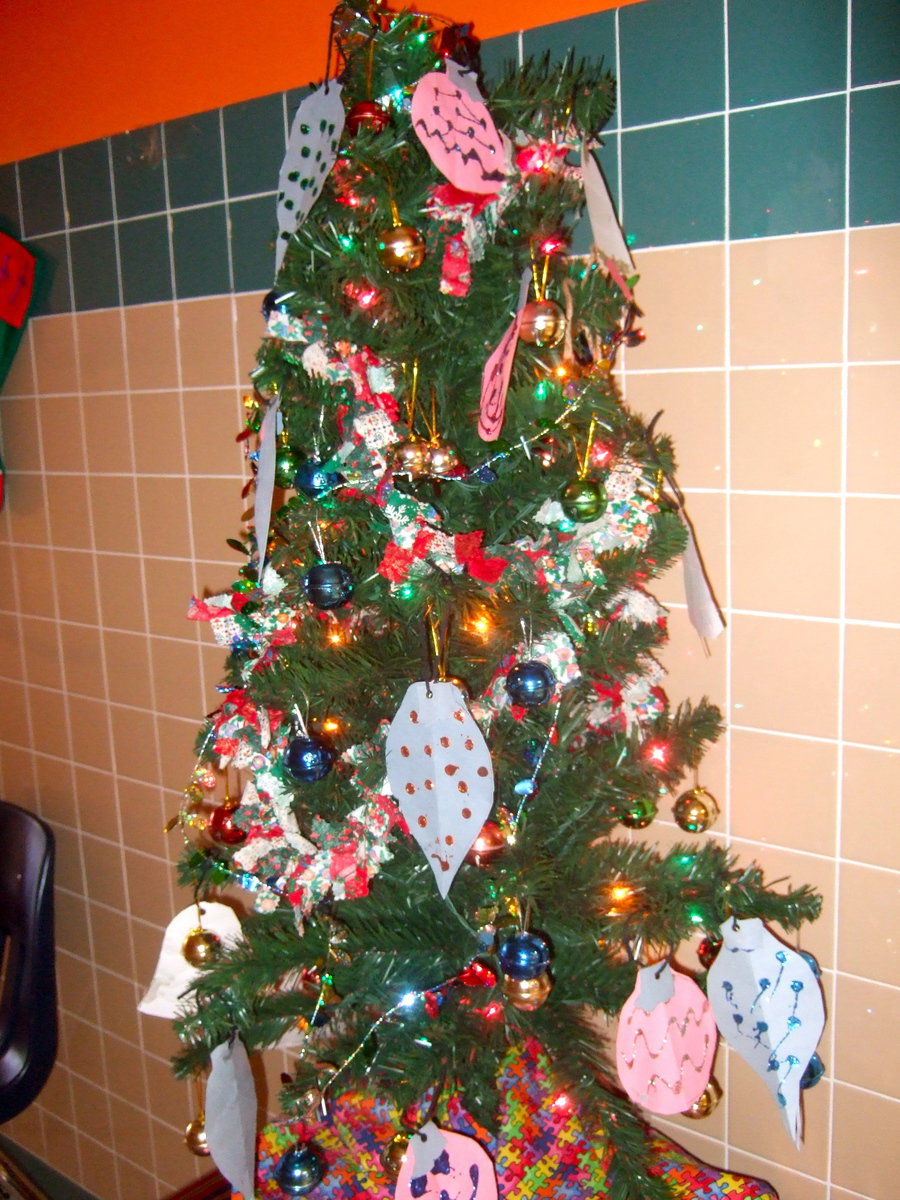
(174,974)
(231,1115)
(445,1166)
(457,130)
(497,371)
(311,152)
(768,1005)
(439,769)
(666,1041)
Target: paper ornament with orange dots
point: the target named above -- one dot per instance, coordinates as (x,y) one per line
(440,772)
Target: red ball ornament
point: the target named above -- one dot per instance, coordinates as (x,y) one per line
(491,842)
(367,114)
(222,828)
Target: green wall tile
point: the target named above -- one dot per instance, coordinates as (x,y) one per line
(781,49)
(200,245)
(672,56)
(787,168)
(9,200)
(138,177)
(95,270)
(496,54)
(88,184)
(252,243)
(254,144)
(42,201)
(874,165)
(144,254)
(674,183)
(52,293)
(194,159)
(875,41)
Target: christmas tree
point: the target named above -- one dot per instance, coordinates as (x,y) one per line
(442,700)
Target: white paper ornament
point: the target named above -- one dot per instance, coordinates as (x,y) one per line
(768,1005)
(311,151)
(440,771)
(174,974)
(231,1116)
(444,1165)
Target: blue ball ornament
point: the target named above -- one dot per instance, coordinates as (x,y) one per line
(308,758)
(530,683)
(815,1069)
(524,956)
(328,585)
(313,480)
(299,1170)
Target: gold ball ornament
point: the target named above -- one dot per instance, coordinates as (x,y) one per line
(695,811)
(201,947)
(411,458)
(543,323)
(707,1102)
(443,459)
(393,1154)
(400,249)
(195,1137)
(527,994)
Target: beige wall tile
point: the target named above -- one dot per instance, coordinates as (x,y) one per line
(21,431)
(83,658)
(49,720)
(77,992)
(104,872)
(34,576)
(212,419)
(874,293)
(683,295)
(784,791)
(92,1109)
(872,686)
(170,585)
(11,654)
(112,942)
(150,352)
(177,680)
(27,509)
(20,379)
(176,749)
(206,342)
(97,809)
(868,920)
(53,339)
(69,511)
(250,329)
(137,1182)
(873,575)
(782,554)
(69,871)
(785,675)
(865,1142)
(41,647)
(14,720)
(61,433)
(120,604)
(870,832)
(871,1013)
(692,404)
(150,894)
(125,1069)
(789,1184)
(107,434)
(786,429)
(145,811)
(118,999)
(56,791)
(157,419)
(873,432)
(128,668)
(78,598)
(113,515)
(101,350)
(60,1140)
(90,736)
(215,516)
(133,743)
(98,1169)
(786,306)
(164,513)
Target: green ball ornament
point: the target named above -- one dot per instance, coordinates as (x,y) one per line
(286,464)
(641,812)
(583,499)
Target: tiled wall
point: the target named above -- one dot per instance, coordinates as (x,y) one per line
(753,154)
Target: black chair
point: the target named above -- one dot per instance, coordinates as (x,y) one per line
(28,1022)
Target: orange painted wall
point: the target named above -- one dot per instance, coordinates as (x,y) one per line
(74,71)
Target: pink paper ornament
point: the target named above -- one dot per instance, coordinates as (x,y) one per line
(456,128)
(445,1166)
(666,1041)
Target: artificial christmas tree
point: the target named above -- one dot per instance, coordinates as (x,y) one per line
(441,698)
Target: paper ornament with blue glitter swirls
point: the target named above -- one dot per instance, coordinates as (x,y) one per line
(768,1005)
